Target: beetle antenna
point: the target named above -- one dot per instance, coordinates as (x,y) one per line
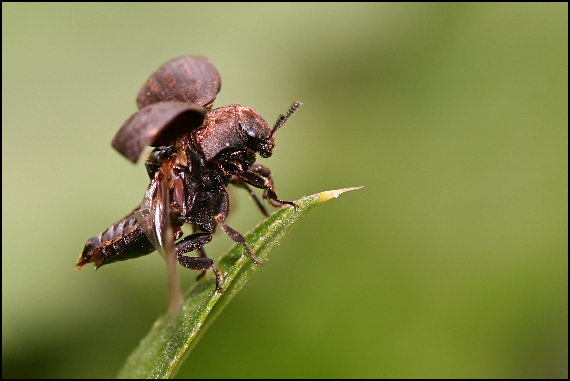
(283,118)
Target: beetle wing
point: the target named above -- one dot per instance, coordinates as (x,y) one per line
(156,125)
(184,79)
(151,215)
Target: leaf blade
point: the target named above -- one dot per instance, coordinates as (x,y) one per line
(171,339)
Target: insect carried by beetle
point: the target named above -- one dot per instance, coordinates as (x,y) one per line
(198,152)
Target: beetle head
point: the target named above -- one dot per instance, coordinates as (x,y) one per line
(234,128)
(238,128)
(255,132)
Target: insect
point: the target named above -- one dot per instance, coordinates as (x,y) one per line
(198,152)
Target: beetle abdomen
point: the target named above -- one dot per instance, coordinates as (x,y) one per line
(122,240)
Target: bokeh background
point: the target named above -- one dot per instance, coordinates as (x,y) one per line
(451,262)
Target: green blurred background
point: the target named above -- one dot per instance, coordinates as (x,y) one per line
(451,262)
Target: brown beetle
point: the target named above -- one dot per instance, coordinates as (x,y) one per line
(199,152)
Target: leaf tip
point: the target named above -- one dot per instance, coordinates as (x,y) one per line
(325,196)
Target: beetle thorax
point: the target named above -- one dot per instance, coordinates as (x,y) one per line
(233,128)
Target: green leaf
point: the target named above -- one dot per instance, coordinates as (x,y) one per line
(171,339)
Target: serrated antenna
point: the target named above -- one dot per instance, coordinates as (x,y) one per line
(283,117)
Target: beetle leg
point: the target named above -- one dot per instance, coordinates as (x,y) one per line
(195,242)
(262,170)
(237,181)
(221,212)
(259,176)
(269,192)
(202,255)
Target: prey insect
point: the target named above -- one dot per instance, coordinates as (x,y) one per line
(198,152)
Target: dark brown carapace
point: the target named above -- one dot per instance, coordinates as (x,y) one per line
(199,152)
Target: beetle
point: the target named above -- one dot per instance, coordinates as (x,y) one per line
(199,152)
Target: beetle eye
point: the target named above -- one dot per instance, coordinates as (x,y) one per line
(253,142)
(252,133)
(252,137)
